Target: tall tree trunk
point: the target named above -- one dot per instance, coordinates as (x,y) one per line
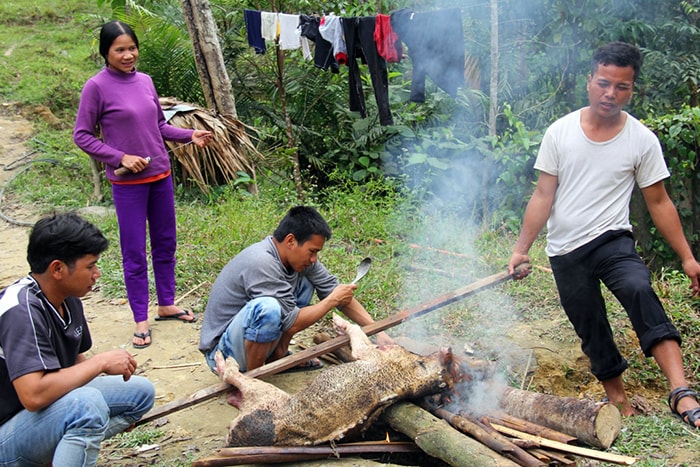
(291,140)
(493,109)
(213,77)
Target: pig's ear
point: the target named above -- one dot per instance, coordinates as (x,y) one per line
(446,356)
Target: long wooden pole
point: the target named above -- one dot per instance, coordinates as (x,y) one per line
(280,454)
(331,345)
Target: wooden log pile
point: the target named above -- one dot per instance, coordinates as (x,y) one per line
(530,430)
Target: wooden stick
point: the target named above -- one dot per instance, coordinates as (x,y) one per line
(177,302)
(553,456)
(439,439)
(280,454)
(531,428)
(177,365)
(444,252)
(585,452)
(331,345)
(478,431)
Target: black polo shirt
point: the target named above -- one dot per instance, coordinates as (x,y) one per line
(34,337)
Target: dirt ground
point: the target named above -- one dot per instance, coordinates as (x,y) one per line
(177,369)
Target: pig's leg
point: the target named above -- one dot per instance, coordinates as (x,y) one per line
(246,390)
(359,342)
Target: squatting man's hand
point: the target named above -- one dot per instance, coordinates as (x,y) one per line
(343,294)
(118,362)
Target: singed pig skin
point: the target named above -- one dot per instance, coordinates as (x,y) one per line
(342,399)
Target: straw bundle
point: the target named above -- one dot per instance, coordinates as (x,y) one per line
(229,154)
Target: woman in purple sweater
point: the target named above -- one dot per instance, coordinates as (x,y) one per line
(122,104)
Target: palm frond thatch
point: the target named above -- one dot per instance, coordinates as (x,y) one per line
(229,153)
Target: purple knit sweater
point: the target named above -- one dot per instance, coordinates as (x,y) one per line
(125,107)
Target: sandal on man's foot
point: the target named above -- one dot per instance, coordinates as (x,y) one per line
(143,336)
(689,416)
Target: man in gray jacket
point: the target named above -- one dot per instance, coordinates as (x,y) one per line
(262,297)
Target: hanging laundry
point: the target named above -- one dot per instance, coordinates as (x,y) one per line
(305,46)
(323,50)
(289,35)
(388,43)
(359,39)
(253,27)
(435,43)
(331,30)
(269,25)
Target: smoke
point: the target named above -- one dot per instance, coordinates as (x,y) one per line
(445,232)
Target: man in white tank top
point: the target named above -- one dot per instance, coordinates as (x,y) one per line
(589,162)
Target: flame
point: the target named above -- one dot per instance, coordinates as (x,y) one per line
(387,440)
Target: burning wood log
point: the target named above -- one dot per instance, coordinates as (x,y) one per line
(438,439)
(595,423)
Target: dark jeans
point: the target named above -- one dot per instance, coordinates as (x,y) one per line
(612,259)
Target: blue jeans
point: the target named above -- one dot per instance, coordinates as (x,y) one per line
(69,431)
(260,320)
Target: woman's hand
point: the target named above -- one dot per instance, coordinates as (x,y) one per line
(134,163)
(201,137)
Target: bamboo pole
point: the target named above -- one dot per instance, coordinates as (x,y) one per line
(280,454)
(331,345)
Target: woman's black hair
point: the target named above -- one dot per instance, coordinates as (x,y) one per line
(110,31)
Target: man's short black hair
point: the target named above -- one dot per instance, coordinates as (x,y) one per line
(619,54)
(302,222)
(66,237)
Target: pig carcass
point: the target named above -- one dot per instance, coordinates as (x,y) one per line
(342,400)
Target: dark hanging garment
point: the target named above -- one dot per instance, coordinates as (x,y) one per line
(254,31)
(359,38)
(323,50)
(435,43)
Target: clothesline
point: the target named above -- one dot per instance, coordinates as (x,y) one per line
(434,41)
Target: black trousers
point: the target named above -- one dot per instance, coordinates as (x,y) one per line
(359,39)
(612,259)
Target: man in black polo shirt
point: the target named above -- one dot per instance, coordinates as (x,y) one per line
(57,404)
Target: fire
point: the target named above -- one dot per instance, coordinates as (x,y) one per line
(387,440)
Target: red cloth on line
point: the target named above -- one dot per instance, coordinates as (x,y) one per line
(388,43)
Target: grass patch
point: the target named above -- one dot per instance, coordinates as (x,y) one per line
(49,65)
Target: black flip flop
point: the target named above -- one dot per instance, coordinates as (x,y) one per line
(176,317)
(144,336)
